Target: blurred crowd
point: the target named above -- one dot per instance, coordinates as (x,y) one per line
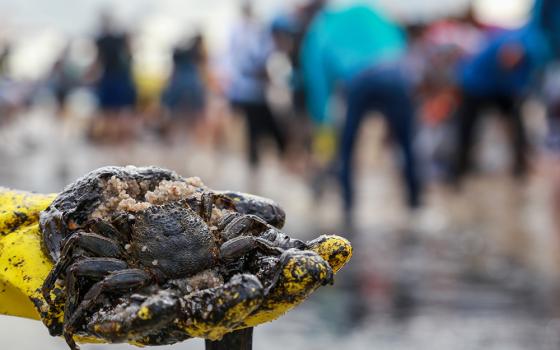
(304,81)
(308,88)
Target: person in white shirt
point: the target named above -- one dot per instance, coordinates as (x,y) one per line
(250,46)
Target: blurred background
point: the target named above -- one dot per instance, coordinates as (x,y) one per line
(425,131)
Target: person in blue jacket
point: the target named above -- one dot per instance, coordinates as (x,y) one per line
(501,75)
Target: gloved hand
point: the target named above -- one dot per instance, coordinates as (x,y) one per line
(154,316)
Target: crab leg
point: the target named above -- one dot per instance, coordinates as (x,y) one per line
(93,269)
(250,204)
(119,281)
(243,224)
(91,243)
(239,246)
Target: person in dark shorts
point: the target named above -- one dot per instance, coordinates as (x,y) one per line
(261,124)
(184,97)
(185,92)
(115,87)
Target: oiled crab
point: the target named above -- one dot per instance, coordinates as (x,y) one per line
(145,256)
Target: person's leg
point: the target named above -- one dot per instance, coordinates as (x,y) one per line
(466,118)
(510,106)
(357,107)
(397,106)
(273,128)
(252,112)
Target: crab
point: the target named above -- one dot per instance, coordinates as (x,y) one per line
(142,254)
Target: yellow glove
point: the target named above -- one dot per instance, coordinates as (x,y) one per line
(24,266)
(324,144)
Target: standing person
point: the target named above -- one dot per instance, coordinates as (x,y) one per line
(250,47)
(304,16)
(288,31)
(358,49)
(115,86)
(62,79)
(184,97)
(384,89)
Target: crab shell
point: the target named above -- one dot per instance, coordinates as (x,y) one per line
(75,204)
